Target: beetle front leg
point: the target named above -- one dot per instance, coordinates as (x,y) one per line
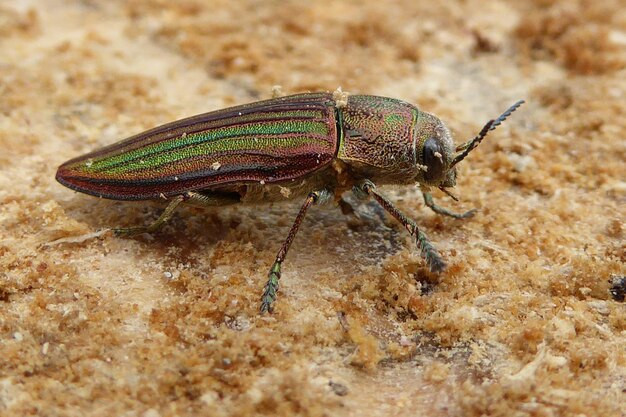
(428,200)
(271,287)
(428,251)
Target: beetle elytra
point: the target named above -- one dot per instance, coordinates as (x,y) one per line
(304,145)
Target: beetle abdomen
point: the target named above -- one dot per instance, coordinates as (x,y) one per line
(269,141)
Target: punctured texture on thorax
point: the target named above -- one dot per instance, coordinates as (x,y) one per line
(378,140)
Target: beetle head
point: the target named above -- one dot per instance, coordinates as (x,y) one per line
(434,153)
(438,157)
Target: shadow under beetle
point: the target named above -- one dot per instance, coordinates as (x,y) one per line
(308,145)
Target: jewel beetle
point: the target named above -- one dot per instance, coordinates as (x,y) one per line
(314,146)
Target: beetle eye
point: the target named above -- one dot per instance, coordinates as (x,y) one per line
(433,158)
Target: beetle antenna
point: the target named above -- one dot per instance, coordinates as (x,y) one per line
(467,147)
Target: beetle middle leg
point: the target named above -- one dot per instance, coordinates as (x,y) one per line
(202,199)
(271,287)
(428,200)
(428,251)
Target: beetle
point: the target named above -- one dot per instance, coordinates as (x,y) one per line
(314,146)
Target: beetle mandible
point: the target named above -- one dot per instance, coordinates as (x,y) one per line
(309,145)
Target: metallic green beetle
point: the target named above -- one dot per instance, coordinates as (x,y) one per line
(306,145)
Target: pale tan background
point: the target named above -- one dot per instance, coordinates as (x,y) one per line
(521,324)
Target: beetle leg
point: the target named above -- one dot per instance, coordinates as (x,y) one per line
(428,251)
(428,200)
(271,287)
(156,225)
(211,198)
(202,199)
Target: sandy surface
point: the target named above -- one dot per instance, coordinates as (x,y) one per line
(522,323)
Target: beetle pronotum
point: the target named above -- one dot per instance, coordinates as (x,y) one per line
(304,145)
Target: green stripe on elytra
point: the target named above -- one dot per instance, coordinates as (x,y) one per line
(269,115)
(244,143)
(215,120)
(208,136)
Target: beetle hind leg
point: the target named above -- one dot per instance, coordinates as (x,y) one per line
(201,199)
(154,226)
(212,198)
(428,200)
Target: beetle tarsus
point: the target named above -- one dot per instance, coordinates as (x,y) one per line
(129,231)
(271,289)
(434,261)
